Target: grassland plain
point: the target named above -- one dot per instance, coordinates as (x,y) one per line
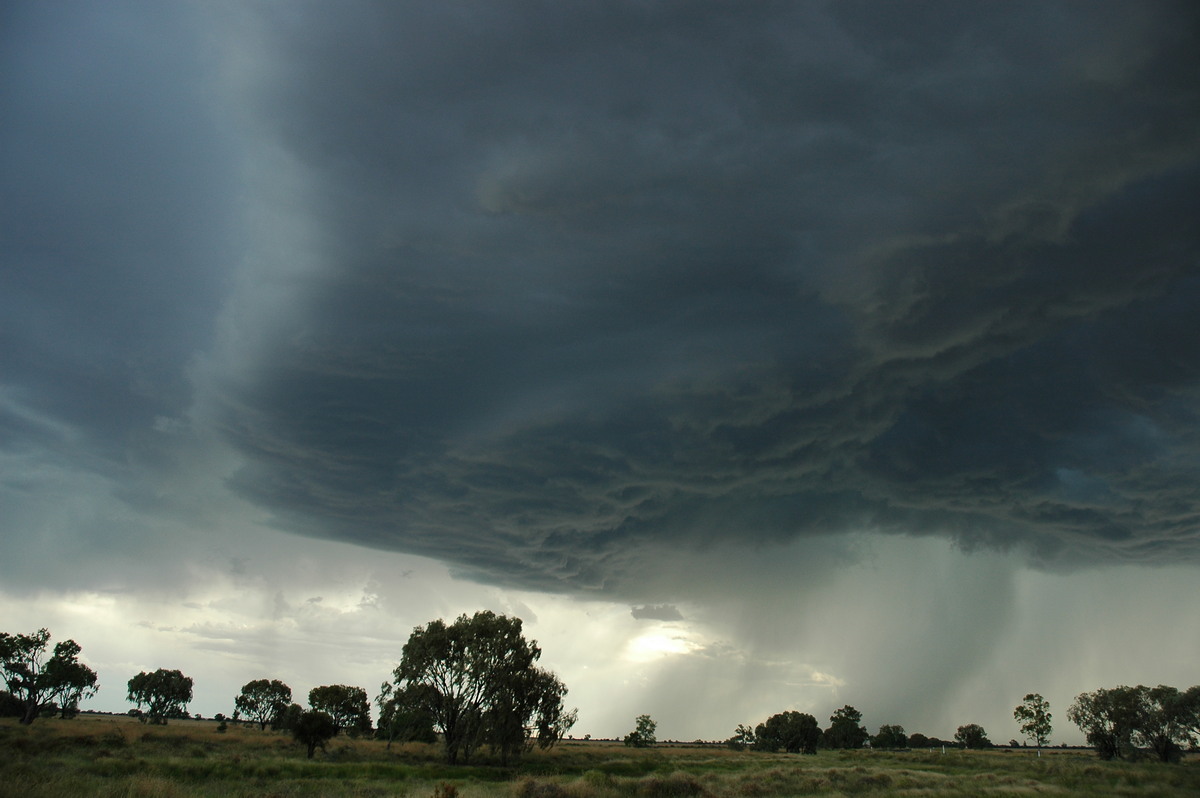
(118,757)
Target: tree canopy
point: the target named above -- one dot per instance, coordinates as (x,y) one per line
(313,728)
(794,732)
(1033,713)
(263,701)
(477,679)
(35,682)
(845,729)
(890,736)
(346,705)
(164,693)
(642,735)
(972,735)
(1119,720)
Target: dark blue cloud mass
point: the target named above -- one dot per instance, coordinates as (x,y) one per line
(558,289)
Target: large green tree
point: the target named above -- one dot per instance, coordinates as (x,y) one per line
(345,704)
(35,682)
(1108,719)
(794,732)
(478,680)
(846,729)
(1163,721)
(1033,713)
(164,693)
(263,701)
(403,715)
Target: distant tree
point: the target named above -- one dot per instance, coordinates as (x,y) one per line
(890,736)
(1033,713)
(346,705)
(972,736)
(478,680)
(643,735)
(1108,719)
(794,732)
(918,740)
(35,682)
(262,700)
(743,738)
(314,728)
(845,729)
(164,693)
(287,718)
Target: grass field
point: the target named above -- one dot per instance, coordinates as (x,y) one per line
(115,756)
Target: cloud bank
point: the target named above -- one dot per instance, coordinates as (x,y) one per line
(592,285)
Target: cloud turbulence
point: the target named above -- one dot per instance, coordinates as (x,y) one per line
(602,281)
(557,294)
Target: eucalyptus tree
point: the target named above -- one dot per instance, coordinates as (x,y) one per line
(345,704)
(845,729)
(477,679)
(35,682)
(794,732)
(263,701)
(1033,713)
(164,693)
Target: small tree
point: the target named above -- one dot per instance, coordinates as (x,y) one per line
(346,705)
(890,736)
(314,728)
(972,736)
(846,729)
(35,682)
(794,732)
(743,738)
(263,700)
(643,735)
(164,693)
(1034,716)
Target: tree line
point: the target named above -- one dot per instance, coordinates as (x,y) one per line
(476,683)
(1120,723)
(471,683)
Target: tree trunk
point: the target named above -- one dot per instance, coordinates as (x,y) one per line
(31,712)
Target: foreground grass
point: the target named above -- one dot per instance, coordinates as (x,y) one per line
(106,756)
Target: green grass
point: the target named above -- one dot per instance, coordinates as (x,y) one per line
(116,757)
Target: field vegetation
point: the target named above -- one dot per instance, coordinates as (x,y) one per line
(101,755)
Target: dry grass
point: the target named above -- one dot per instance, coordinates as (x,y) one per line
(119,758)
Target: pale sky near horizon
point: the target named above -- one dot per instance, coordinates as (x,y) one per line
(758,356)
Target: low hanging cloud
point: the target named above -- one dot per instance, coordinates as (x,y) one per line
(731,278)
(562,296)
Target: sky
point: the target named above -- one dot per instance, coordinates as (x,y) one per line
(759,356)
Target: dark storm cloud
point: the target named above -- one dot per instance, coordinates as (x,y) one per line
(612,280)
(115,233)
(552,291)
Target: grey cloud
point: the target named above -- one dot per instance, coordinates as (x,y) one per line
(117,229)
(644,282)
(656,612)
